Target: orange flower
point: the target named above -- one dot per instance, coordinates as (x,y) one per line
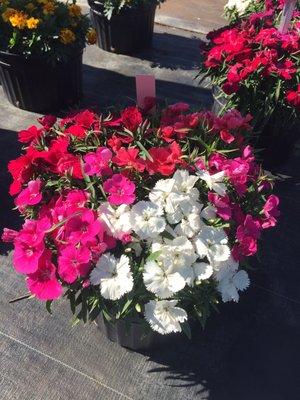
(18,20)
(8,13)
(91,36)
(67,36)
(74,10)
(32,23)
(49,8)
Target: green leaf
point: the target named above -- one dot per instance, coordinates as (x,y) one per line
(106,316)
(186,329)
(153,256)
(48,306)
(126,306)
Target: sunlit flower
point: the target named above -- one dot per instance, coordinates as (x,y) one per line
(212,243)
(164,317)
(113,275)
(146,219)
(214,182)
(231,283)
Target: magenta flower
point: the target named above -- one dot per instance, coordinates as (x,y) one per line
(31,195)
(83,228)
(9,235)
(29,245)
(98,163)
(121,190)
(43,283)
(271,212)
(73,263)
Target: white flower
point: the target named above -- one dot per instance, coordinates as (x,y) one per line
(161,192)
(164,317)
(231,283)
(191,223)
(221,268)
(146,219)
(214,182)
(178,254)
(199,272)
(162,281)
(240,5)
(114,276)
(212,243)
(116,220)
(209,212)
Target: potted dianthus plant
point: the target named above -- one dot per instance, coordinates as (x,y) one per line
(123,26)
(142,222)
(255,68)
(41,45)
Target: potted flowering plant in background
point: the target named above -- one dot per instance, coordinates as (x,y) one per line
(41,44)
(124,26)
(234,10)
(143,221)
(255,68)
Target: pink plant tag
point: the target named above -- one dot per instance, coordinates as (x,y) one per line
(287,14)
(145,89)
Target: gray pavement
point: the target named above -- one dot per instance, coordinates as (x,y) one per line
(249,351)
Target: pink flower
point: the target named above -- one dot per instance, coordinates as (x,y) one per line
(73,263)
(223,205)
(43,283)
(271,211)
(83,228)
(9,235)
(121,190)
(29,245)
(31,195)
(250,227)
(26,256)
(76,199)
(98,163)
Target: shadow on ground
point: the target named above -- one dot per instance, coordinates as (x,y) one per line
(173,52)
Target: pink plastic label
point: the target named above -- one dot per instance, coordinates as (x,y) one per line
(145,88)
(287,14)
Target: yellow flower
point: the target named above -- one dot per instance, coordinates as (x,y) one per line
(18,20)
(30,7)
(74,10)
(67,36)
(32,23)
(49,8)
(91,36)
(7,14)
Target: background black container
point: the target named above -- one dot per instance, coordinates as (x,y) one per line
(133,334)
(124,33)
(34,84)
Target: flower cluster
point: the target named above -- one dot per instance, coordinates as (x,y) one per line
(43,27)
(236,9)
(139,214)
(257,68)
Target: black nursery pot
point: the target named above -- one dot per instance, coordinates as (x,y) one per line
(33,84)
(124,33)
(131,334)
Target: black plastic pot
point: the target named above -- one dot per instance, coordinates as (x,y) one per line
(129,31)
(132,334)
(34,84)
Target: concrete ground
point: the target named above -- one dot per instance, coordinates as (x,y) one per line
(249,351)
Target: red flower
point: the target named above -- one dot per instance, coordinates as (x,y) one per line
(129,158)
(131,118)
(76,130)
(30,134)
(47,121)
(293,97)
(164,159)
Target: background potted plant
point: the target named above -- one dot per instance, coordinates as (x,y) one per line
(124,26)
(41,44)
(255,68)
(143,221)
